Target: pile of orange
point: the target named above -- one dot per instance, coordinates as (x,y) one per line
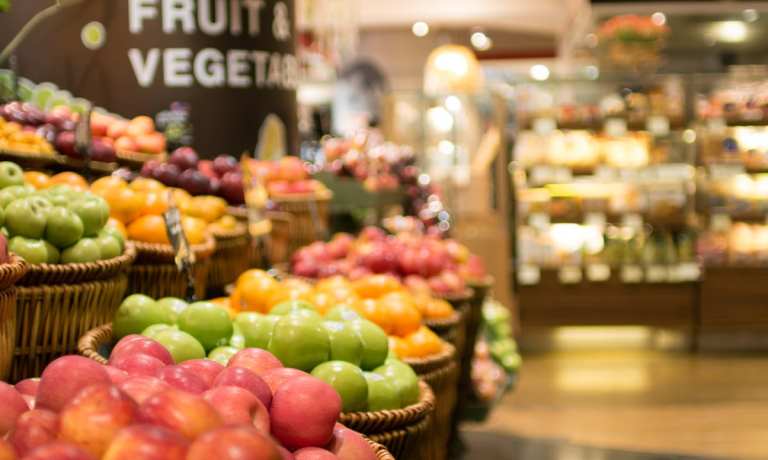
(381,299)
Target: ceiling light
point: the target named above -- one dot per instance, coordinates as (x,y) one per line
(659,18)
(731,31)
(480,41)
(750,15)
(539,72)
(420,29)
(453,103)
(592,72)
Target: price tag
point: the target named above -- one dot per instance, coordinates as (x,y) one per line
(544,126)
(615,127)
(570,275)
(658,125)
(598,272)
(83,140)
(717,125)
(632,221)
(539,221)
(720,222)
(632,274)
(529,275)
(595,219)
(656,274)
(184,256)
(688,271)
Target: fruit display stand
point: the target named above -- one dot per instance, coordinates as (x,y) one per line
(382,453)
(136,160)
(310,215)
(401,431)
(230,258)
(440,371)
(155,273)
(56,304)
(9,274)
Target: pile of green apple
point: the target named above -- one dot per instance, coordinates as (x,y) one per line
(346,351)
(56,225)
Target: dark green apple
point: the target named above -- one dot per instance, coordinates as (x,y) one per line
(26,217)
(256,329)
(375,343)
(181,345)
(348,381)
(31,250)
(208,323)
(382,393)
(300,342)
(10,174)
(63,228)
(93,211)
(404,378)
(138,312)
(345,343)
(85,250)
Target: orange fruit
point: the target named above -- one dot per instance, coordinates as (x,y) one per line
(74,180)
(402,311)
(333,283)
(116,224)
(374,286)
(155,202)
(251,275)
(290,289)
(379,314)
(37,179)
(125,204)
(145,184)
(438,308)
(400,347)
(149,229)
(208,208)
(424,342)
(107,183)
(322,301)
(252,293)
(180,197)
(195,229)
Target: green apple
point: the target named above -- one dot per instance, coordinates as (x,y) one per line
(300,342)
(348,381)
(114,233)
(155,329)
(7,195)
(62,195)
(208,323)
(109,246)
(404,378)
(256,329)
(342,313)
(176,304)
(63,228)
(85,250)
(181,345)
(345,343)
(10,174)
(382,393)
(54,255)
(238,339)
(375,343)
(138,312)
(31,250)
(222,355)
(295,307)
(93,211)
(26,217)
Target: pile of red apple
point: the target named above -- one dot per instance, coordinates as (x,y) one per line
(184,169)
(422,262)
(198,410)
(287,176)
(378,167)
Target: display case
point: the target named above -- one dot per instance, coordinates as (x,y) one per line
(604,181)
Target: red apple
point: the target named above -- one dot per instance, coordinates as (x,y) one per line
(244,378)
(139,364)
(6,450)
(279,187)
(255,360)
(95,416)
(28,386)
(59,451)
(117,129)
(206,369)
(168,174)
(148,169)
(206,167)
(64,378)
(304,411)
(194,182)
(184,158)
(231,187)
(287,455)
(126,144)
(141,345)
(147,442)
(116,375)
(140,388)
(34,428)
(186,413)
(99,124)
(234,443)
(238,406)
(224,164)
(276,377)
(350,445)
(313,453)
(182,379)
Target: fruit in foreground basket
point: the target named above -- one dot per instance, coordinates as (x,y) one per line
(31,250)
(181,345)
(256,328)
(34,428)
(222,355)
(350,445)
(375,343)
(188,414)
(12,405)
(64,378)
(234,443)
(238,406)
(346,344)
(246,379)
(85,250)
(10,174)
(404,378)
(348,380)
(109,246)
(300,342)
(63,227)
(208,323)
(304,412)
(27,217)
(137,312)
(93,212)
(382,393)
(147,442)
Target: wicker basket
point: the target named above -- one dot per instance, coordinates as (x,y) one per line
(156,275)
(230,258)
(451,329)
(441,373)
(310,217)
(9,274)
(135,160)
(381,452)
(401,431)
(50,318)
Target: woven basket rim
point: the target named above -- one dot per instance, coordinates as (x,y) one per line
(140,156)
(239,231)
(12,271)
(450,321)
(381,452)
(433,361)
(165,251)
(88,344)
(486,282)
(320,195)
(76,270)
(396,417)
(464,295)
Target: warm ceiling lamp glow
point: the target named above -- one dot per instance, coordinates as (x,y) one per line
(452,69)
(731,31)
(750,15)
(480,41)
(659,18)
(420,29)
(539,72)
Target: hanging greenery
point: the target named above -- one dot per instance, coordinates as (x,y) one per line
(5,5)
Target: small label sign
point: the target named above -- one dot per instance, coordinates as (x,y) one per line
(529,275)
(185,257)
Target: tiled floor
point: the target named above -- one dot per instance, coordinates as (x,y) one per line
(630,405)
